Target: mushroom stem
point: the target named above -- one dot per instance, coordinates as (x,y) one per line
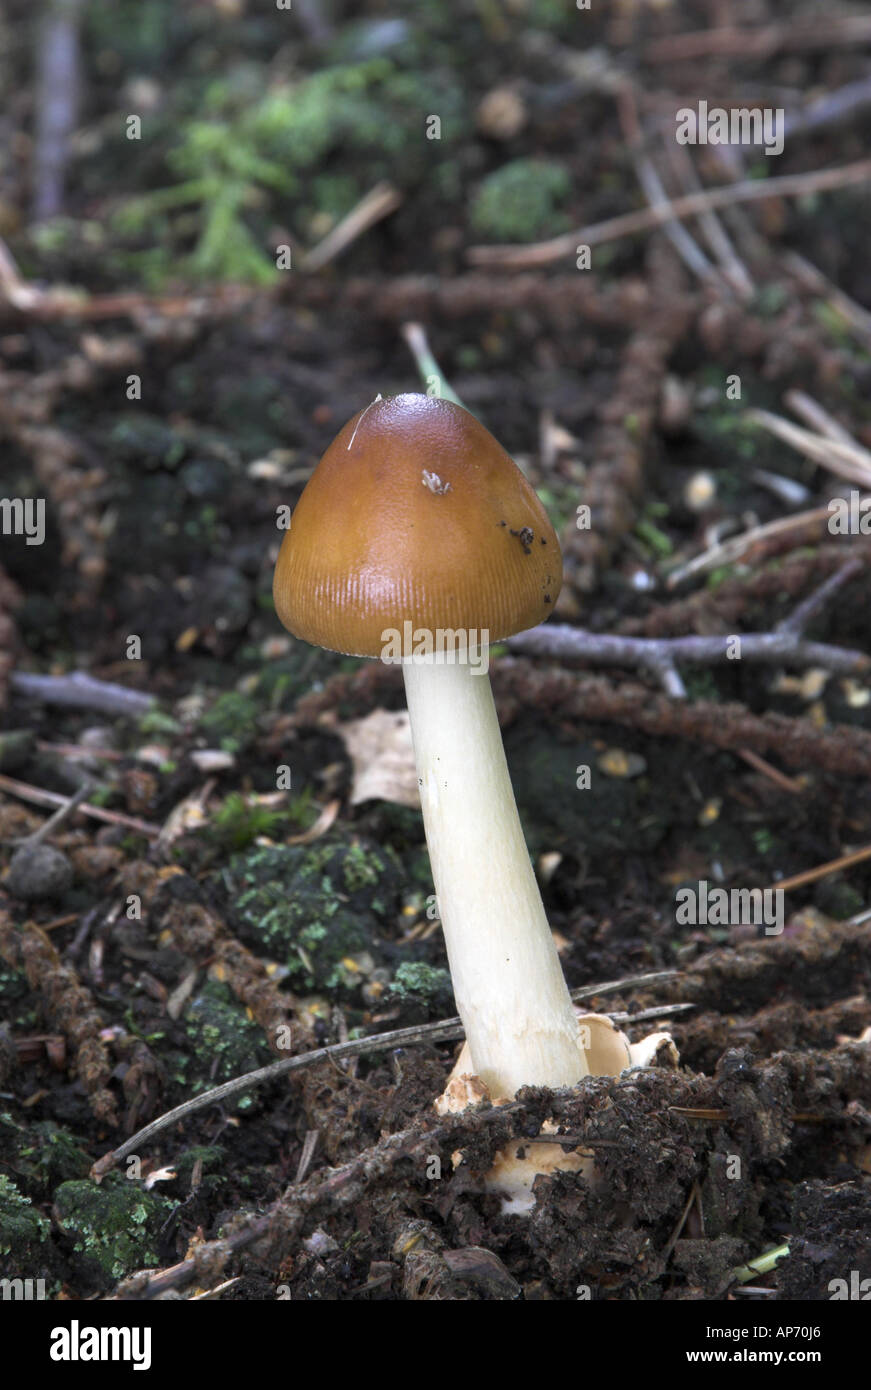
(508,981)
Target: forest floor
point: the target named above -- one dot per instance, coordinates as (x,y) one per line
(166,935)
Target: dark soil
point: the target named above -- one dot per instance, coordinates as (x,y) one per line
(150,956)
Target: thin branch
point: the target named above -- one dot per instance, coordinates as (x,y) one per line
(57,103)
(736,547)
(759,41)
(834,866)
(652,186)
(849,461)
(718,239)
(800,617)
(642,220)
(660,655)
(81,691)
(54,822)
(818,418)
(858,319)
(379,203)
(787,784)
(38,796)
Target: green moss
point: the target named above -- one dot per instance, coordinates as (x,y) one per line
(239,821)
(41,1155)
(158,722)
(226,1042)
(521,201)
(231,722)
(247,150)
(424,985)
(114,1225)
(312,908)
(20,1226)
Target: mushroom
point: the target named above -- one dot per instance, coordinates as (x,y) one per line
(418,538)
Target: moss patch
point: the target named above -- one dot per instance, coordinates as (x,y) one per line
(114,1225)
(20,1226)
(313,908)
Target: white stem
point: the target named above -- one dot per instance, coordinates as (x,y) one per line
(508,981)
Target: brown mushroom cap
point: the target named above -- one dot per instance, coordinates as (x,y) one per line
(415,513)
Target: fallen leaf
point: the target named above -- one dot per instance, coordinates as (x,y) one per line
(382,754)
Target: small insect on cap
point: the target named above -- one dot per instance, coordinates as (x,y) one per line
(415,514)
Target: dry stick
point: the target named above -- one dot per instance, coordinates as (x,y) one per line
(181,1273)
(731,264)
(57,102)
(848,461)
(787,784)
(38,796)
(823,870)
(830,109)
(808,609)
(819,419)
(80,750)
(727,552)
(448,1030)
(858,319)
(734,41)
(78,690)
(694,1195)
(653,189)
(749,190)
(379,203)
(659,655)
(62,814)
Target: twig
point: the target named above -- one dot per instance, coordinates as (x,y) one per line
(62,814)
(650,1015)
(787,784)
(798,619)
(80,750)
(858,319)
(834,866)
(642,220)
(57,100)
(378,203)
(660,655)
(729,551)
(759,41)
(40,797)
(819,419)
(684,244)
(731,264)
(415,336)
(695,1194)
(81,691)
(592,699)
(848,461)
(309,1146)
(448,1030)
(829,109)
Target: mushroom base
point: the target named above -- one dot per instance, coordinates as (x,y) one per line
(515,1168)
